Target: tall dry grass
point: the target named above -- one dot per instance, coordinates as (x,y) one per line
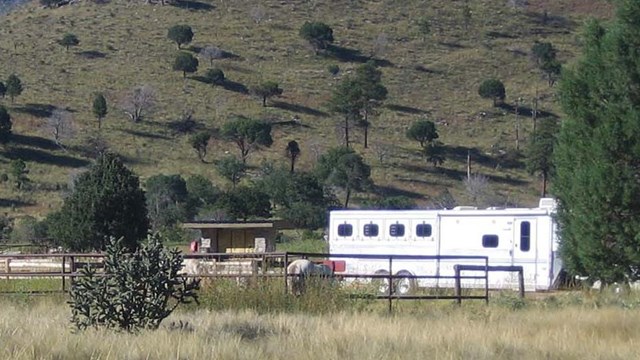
(41,330)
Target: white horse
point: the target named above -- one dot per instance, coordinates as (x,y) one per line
(300,269)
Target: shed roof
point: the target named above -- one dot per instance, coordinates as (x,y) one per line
(257,224)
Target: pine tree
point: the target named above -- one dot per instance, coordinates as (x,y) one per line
(99,108)
(596,158)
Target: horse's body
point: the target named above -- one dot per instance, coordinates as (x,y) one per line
(303,268)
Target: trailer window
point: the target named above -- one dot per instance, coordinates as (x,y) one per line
(345,230)
(396,230)
(525,236)
(423,230)
(490,241)
(371,230)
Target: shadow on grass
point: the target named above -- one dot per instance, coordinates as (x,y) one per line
(193,5)
(526,111)
(145,134)
(353,55)
(15,203)
(45,157)
(405,109)
(298,108)
(35,141)
(393,191)
(292,123)
(235,87)
(37,110)
(507,160)
(550,21)
(451,45)
(426,70)
(92,54)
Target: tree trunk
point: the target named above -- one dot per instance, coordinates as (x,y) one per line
(517,126)
(293,163)
(346,130)
(366,135)
(264,101)
(346,201)
(544,184)
(468,164)
(366,129)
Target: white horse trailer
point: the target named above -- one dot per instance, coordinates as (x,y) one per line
(508,237)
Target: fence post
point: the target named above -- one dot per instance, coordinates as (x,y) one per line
(63,273)
(284,271)
(521,282)
(486,281)
(390,288)
(457,280)
(8,267)
(72,260)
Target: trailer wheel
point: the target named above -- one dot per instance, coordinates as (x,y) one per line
(406,284)
(381,285)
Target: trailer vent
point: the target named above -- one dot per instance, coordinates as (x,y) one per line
(547,203)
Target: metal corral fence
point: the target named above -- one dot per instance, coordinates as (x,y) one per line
(272,265)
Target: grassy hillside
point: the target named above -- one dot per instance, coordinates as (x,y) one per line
(123,44)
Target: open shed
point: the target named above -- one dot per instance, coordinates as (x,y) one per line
(237,237)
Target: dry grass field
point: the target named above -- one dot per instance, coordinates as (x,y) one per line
(123,44)
(41,330)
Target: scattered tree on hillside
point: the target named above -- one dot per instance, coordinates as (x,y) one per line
(211,53)
(248,134)
(423,131)
(544,54)
(99,108)
(180,34)
(344,168)
(245,202)
(478,189)
(5,125)
(292,151)
(214,76)
(358,96)
(596,156)
(266,90)
(107,201)
(493,89)
(372,94)
(3,89)
(136,290)
(14,86)
(18,171)
(139,101)
(318,34)
(61,127)
(201,192)
(345,101)
(424,27)
(69,40)
(167,200)
(539,154)
(380,45)
(333,69)
(297,197)
(231,169)
(199,142)
(186,63)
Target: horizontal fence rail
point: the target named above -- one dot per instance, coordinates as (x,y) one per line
(239,266)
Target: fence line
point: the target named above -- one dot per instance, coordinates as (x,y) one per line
(271,265)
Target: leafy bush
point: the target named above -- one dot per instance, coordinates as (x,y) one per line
(138,290)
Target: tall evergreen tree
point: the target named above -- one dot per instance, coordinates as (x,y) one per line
(14,86)
(539,153)
(99,108)
(597,157)
(344,168)
(107,202)
(5,125)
